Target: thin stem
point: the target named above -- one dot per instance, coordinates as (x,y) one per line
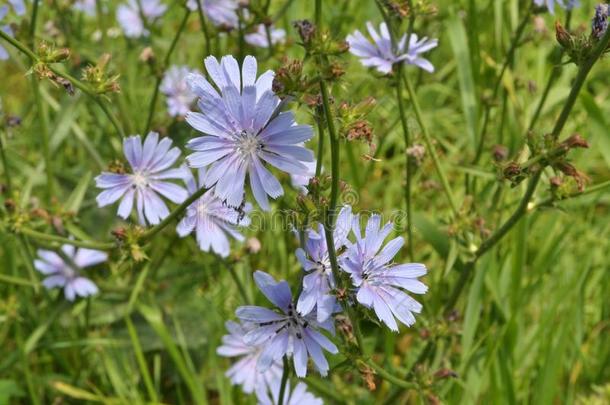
(77,83)
(153,101)
(44,130)
(7,175)
(238,282)
(284,381)
(141,360)
(430,147)
(334,153)
(174,214)
(54,238)
(407,139)
(204,28)
(320,154)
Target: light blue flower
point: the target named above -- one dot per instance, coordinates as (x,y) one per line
(379,283)
(259,37)
(380,54)
(550,4)
(67,275)
(286,332)
(599,24)
(178,93)
(212,221)
(244,372)
(243,128)
(151,166)
(222,13)
(297,396)
(130,16)
(314,259)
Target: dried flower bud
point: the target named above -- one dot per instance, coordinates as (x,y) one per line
(444,373)
(306,31)
(9,204)
(147,55)
(556,181)
(119,233)
(253,245)
(575,141)
(500,153)
(564,38)
(416,154)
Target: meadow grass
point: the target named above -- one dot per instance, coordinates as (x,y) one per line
(527,323)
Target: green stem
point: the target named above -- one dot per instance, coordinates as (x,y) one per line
(7,175)
(44,130)
(153,102)
(174,214)
(54,238)
(589,190)
(284,381)
(334,153)
(430,147)
(238,282)
(204,28)
(320,145)
(407,139)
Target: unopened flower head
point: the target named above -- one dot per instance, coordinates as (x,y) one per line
(245,372)
(380,53)
(178,93)
(378,282)
(212,221)
(66,273)
(130,16)
(550,4)
(286,332)
(222,13)
(260,38)
(151,166)
(314,259)
(243,127)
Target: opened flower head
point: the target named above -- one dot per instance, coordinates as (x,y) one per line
(550,4)
(130,16)
(314,259)
(286,332)
(222,13)
(380,53)
(243,127)
(151,167)
(178,93)
(212,221)
(378,282)
(244,372)
(260,39)
(66,273)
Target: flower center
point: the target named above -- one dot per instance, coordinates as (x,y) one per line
(202,209)
(139,180)
(248,143)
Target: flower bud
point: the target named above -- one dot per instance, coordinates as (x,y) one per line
(564,38)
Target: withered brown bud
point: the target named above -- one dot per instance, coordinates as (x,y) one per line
(119,233)
(499,153)
(360,130)
(9,204)
(147,55)
(569,170)
(306,30)
(575,141)
(563,37)
(511,170)
(40,213)
(13,121)
(66,84)
(444,373)
(58,224)
(416,154)
(556,181)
